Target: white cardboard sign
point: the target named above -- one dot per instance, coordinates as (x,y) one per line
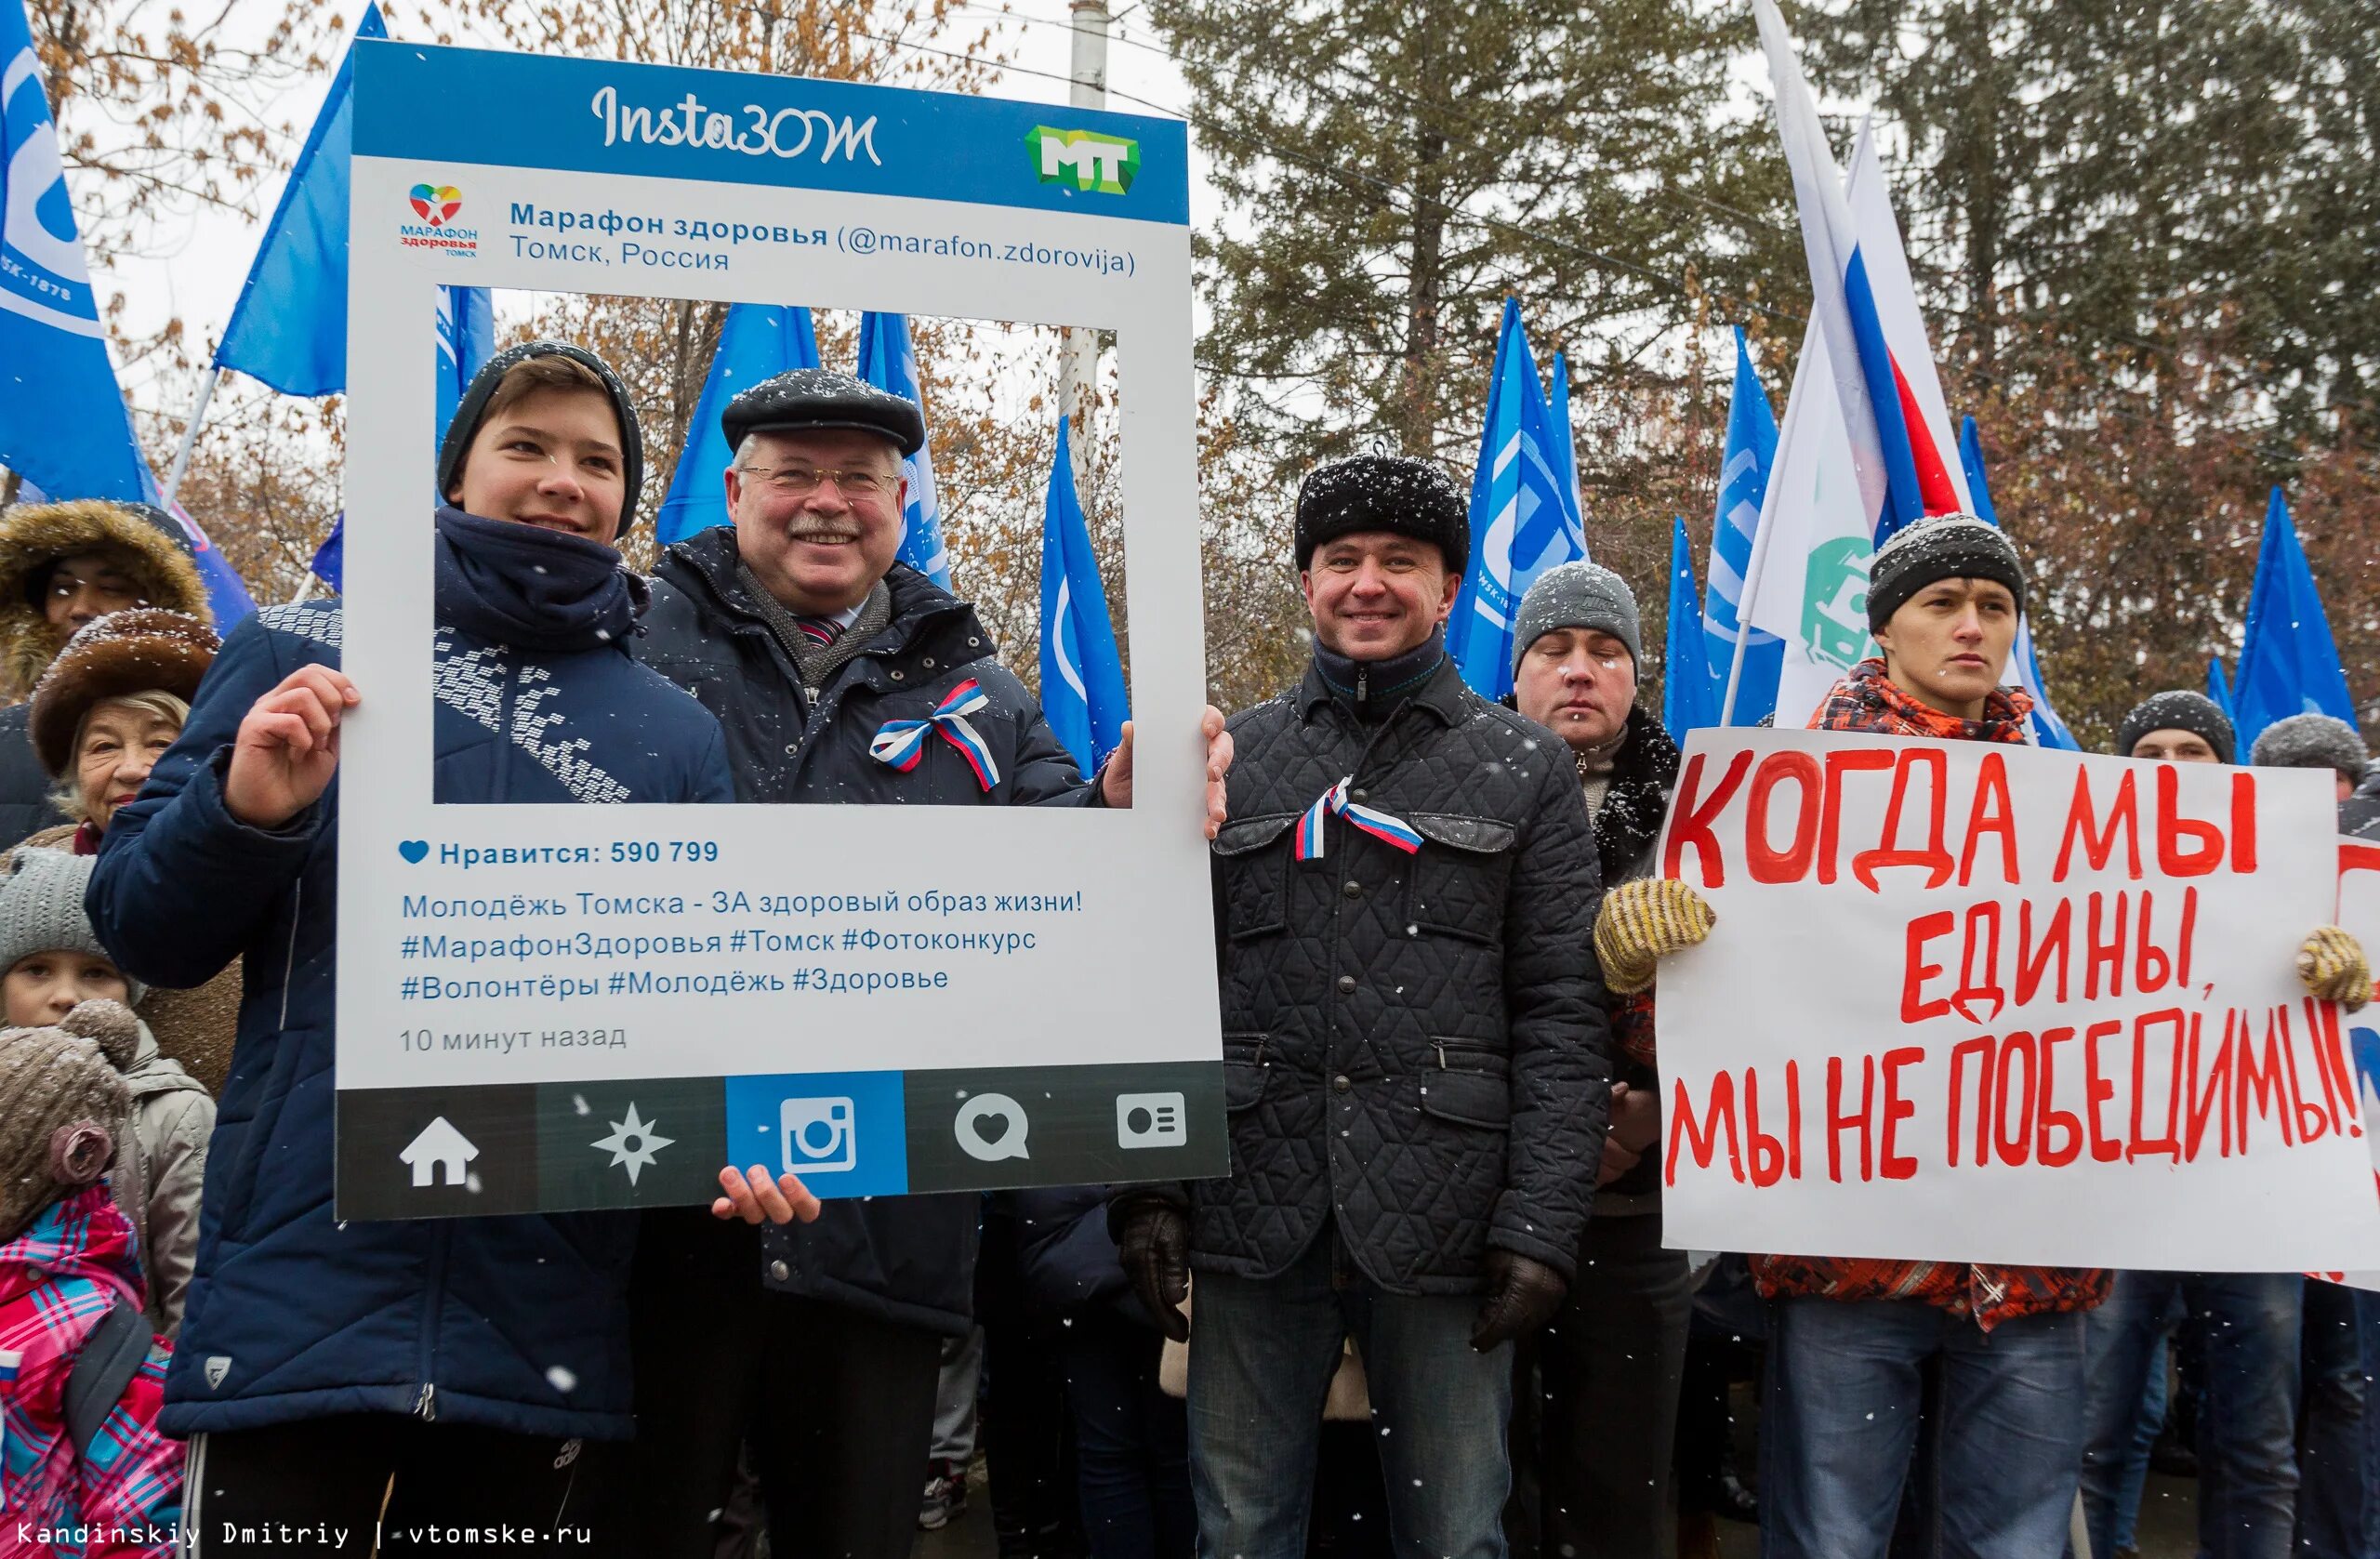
(1976,1002)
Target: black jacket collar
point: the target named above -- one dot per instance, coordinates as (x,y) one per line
(1443,695)
(707,558)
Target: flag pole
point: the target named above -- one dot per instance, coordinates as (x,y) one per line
(1743,622)
(190,438)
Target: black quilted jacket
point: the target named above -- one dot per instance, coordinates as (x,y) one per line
(1415,1044)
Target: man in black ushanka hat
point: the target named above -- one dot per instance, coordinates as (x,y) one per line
(797,627)
(1415,1053)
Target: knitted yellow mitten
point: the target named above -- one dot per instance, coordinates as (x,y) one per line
(1641,923)
(2331,965)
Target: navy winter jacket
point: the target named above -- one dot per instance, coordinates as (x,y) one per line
(515,1323)
(908,1259)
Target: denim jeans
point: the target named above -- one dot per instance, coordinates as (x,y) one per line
(1132,1449)
(2332,1496)
(1261,1354)
(1841,1429)
(2248,1325)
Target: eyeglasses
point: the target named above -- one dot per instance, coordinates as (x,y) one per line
(799,482)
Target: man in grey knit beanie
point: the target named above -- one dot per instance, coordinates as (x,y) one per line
(1578,594)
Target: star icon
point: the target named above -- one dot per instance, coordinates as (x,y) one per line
(648,1142)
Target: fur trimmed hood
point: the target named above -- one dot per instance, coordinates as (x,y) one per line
(34,536)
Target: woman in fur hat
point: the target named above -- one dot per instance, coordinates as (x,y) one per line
(102,715)
(62,566)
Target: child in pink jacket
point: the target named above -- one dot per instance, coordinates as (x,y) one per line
(84,1473)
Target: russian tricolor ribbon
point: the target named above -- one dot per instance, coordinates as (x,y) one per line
(1384,826)
(902,742)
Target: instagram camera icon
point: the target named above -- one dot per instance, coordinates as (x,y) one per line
(818,1135)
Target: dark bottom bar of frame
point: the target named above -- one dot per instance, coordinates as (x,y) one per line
(552,1147)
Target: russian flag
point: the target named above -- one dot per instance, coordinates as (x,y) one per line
(1864,309)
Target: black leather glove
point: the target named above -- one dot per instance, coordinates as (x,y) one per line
(1522,1296)
(1154,1243)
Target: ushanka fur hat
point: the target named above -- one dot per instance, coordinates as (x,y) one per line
(145,650)
(151,547)
(62,1097)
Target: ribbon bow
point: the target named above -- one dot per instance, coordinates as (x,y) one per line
(902,742)
(1383,827)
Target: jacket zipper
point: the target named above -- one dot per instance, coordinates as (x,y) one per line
(432,1296)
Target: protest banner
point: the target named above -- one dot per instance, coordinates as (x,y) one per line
(551,1006)
(2359,913)
(1972,1002)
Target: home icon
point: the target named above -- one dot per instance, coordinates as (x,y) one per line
(443,1147)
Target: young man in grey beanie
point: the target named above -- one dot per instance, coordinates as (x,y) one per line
(1414,1051)
(2178,726)
(1612,1359)
(2247,1326)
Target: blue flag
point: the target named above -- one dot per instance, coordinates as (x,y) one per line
(2291,663)
(1523,515)
(1744,483)
(1082,677)
(2049,729)
(887,362)
(289,326)
(758,341)
(2218,688)
(63,426)
(465,339)
(1686,686)
(330,558)
(1557,406)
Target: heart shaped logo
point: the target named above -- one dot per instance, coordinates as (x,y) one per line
(435,203)
(413,849)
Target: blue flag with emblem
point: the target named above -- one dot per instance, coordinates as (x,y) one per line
(63,426)
(758,341)
(1749,456)
(887,362)
(1522,518)
(2049,727)
(289,328)
(2290,663)
(1082,677)
(1687,701)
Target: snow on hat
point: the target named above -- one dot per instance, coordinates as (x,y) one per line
(41,907)
(62,1093)
(2312,741)
(471,411)
(1941,546)
(1578,594)
(147,649)
(1392,492)
(806,398)
(2179,709)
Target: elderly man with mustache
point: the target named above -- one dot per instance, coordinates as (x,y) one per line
(799,628)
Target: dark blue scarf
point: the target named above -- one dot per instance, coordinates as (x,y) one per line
(508,583)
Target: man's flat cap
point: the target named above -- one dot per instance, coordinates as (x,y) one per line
(805,398)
